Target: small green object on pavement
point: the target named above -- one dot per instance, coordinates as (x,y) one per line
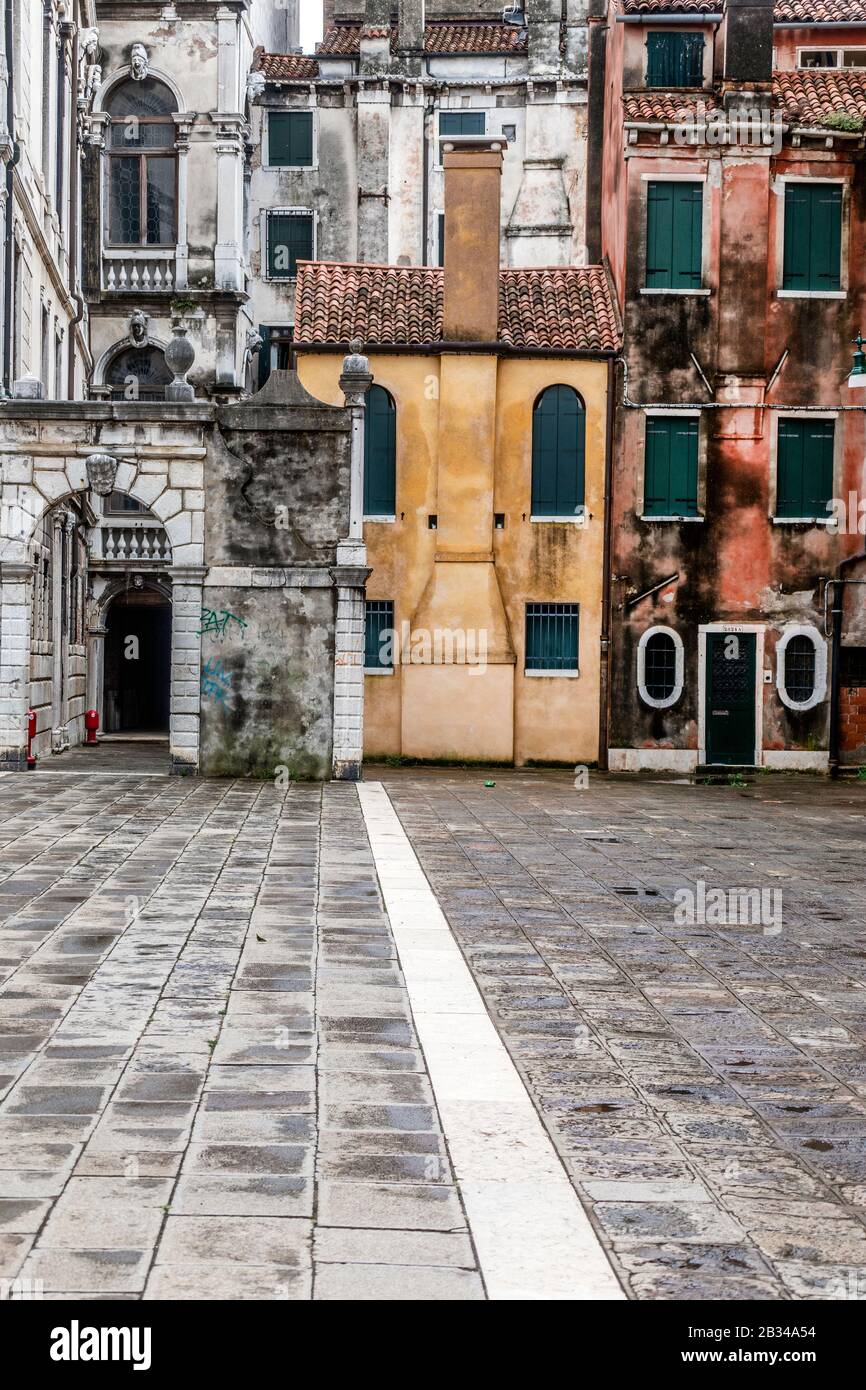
(490,784)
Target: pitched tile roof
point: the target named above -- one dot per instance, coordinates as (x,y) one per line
(820,11)
(344,40)
(672,6)
(804,97)
(569,310)
(809,96)
(286,67)
(665,107)
(785,11)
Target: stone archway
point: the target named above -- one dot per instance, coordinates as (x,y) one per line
(173,489)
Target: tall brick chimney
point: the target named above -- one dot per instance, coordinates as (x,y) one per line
(410,25)
(748,41)
(473,174)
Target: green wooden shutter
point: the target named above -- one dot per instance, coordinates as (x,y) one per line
(380,454)
(671,466)
(804,482)
(558,450)
(440,227)
(290,138)
(674,235)
(290,239)
(675,60)
(813,237)
(461,123)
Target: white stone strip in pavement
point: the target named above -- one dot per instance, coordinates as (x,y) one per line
(533,1237)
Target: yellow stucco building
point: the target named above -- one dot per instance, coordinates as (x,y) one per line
(485,479)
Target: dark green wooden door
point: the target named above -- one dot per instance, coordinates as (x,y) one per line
(731,698)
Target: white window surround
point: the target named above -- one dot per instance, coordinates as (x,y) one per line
(778,187)
(311,110)
(555,675)
(679,666)
(387,519)
(378,670)
(839,51)
(820,691)
(266,214)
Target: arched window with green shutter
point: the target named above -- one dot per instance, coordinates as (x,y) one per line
(558,446)
(380,454)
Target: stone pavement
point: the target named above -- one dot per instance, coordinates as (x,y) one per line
(705,1084)
(212,1082)
(212,1085)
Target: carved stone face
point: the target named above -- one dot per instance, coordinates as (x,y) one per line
(101,473)
(140,62)
(138,325)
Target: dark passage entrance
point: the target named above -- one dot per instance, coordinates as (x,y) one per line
(138,664)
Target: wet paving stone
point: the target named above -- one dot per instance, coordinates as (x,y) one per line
(674,1059)
(206,1049)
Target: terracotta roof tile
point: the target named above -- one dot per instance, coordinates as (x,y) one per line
(809,96)
(344,40)
(287,67)
(672,6)
(820,11)
(393,306)
(570,308)
(667,107)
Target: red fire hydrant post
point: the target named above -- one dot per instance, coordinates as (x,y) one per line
(31,734)
(91,724)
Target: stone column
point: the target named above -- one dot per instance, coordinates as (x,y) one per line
(183,128)
(228,252)
(16,580)
(58,551)
(96,669)
(185,708)
(350,578)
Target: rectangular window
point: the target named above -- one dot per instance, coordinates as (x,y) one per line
(461,122)
(379,635)
(551,636)
(813,237)
(671,466)
(290,239)
(275,354)
(290,139)
(674,60)
(674,235)
(805,468)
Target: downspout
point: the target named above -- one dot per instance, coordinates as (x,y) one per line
(835,659)
(10,185)
(425,185)
(74,216)
(604,665)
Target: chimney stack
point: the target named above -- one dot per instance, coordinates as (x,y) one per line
(410,26)
(473,174)
(749,41)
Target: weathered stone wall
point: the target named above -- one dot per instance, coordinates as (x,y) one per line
(277,503)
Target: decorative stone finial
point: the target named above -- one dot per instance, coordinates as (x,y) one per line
(179,357)
(101,473)
(355,379)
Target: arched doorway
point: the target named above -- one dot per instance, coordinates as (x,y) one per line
(137,672)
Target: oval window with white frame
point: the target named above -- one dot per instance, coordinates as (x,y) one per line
(660,667)
(801,667)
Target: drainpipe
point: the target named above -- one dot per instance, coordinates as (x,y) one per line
(74,170)
(425,186)
(10,185)
(604,667)
(835,658)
